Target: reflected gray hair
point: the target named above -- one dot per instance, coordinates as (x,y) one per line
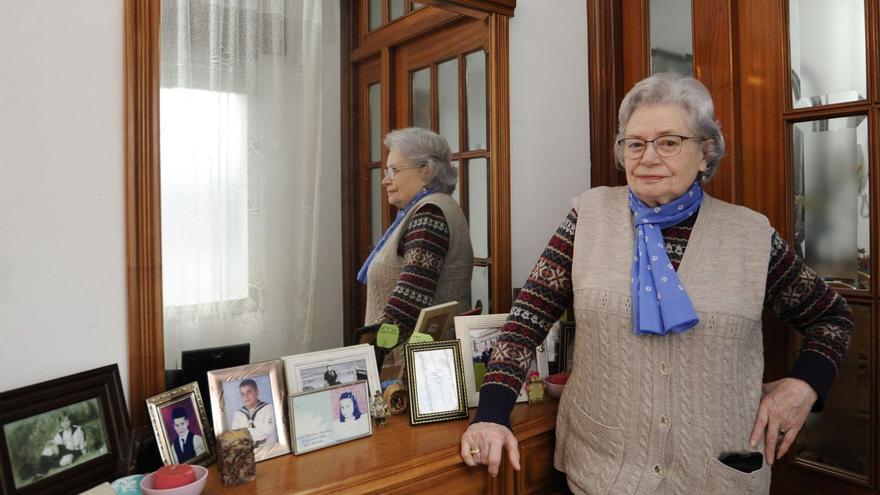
(424,147)
(690,95)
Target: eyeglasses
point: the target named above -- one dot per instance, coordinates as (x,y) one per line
(666,146)
(390,172)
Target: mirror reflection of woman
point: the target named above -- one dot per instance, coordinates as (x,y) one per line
(425,257)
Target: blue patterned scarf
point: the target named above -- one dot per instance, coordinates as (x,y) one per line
(362,273)
(660,303)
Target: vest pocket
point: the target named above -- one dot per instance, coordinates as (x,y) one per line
(594,456)
(724,480)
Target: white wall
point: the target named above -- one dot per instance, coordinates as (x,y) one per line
(549,123)
(62,258)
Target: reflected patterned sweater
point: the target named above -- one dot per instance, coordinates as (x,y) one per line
(424,247)
(794,292)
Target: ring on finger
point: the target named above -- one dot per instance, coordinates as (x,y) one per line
(475,451)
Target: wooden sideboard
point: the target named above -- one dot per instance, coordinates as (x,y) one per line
(400,459)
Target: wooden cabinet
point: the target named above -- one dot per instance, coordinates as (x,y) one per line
(401,459)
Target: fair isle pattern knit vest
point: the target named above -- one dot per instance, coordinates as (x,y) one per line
(650,415)
(455,275)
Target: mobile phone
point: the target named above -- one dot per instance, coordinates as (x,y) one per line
(746,462)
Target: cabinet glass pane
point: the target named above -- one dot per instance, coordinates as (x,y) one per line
(421,98)
(478,206)
(672,44)
(417,5)
(476,100)
(480,287)
(456,194)
(375,119)
(396,9)
(375,14)
(827,48)
(376,198)
(447,101)
(831,187)
(839,436)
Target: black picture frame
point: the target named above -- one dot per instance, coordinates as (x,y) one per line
(436,374)
(31,420)
(368,335)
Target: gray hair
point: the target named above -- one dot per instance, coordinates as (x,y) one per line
(690,95)
(424,147)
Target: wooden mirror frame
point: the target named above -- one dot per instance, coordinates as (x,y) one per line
(143,227)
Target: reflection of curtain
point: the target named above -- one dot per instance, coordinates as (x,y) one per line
(241,138)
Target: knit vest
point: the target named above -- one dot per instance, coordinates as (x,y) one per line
(455,275)
(651,414)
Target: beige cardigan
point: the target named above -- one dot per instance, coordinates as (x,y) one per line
(455,275)
(649,414)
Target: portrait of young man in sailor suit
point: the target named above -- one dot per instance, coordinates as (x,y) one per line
(257,416)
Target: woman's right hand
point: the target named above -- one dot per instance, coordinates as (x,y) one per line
(484,443)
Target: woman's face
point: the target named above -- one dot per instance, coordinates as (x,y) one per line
(657,180)
(407,179)
(346,408)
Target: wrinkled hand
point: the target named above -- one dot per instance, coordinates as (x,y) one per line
(484,443)
(781,415)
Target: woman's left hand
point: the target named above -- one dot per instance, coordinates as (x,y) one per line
(781,415)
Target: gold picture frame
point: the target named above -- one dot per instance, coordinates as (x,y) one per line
(181,411)
(436,382)
(437,320)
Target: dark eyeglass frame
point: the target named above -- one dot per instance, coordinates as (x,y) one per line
(621,143)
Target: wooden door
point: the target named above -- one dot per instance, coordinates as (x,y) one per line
(802,154)
(441,67)
(441,82)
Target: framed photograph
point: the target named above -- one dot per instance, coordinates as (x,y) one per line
(566,345)
(64,435)
(329,416)
(252,397)
(340,366)
(478,335)
(436,320)
(183,433)
(436,382)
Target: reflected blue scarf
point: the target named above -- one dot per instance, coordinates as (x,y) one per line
(362,273)
(660,303)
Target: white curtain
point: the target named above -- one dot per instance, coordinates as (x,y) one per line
(241,139)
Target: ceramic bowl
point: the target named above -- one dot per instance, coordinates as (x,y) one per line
(553,389)
(129,485)
(194,488)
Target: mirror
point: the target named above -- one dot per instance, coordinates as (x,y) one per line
(672,44)
(248,106)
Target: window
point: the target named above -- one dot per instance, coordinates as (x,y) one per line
(204,196)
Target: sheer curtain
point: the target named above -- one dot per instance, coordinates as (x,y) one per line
(241,137)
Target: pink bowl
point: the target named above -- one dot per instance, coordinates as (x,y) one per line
(194,488)
(553,389)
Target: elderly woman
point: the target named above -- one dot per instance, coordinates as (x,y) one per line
(668,286)
(425,256)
